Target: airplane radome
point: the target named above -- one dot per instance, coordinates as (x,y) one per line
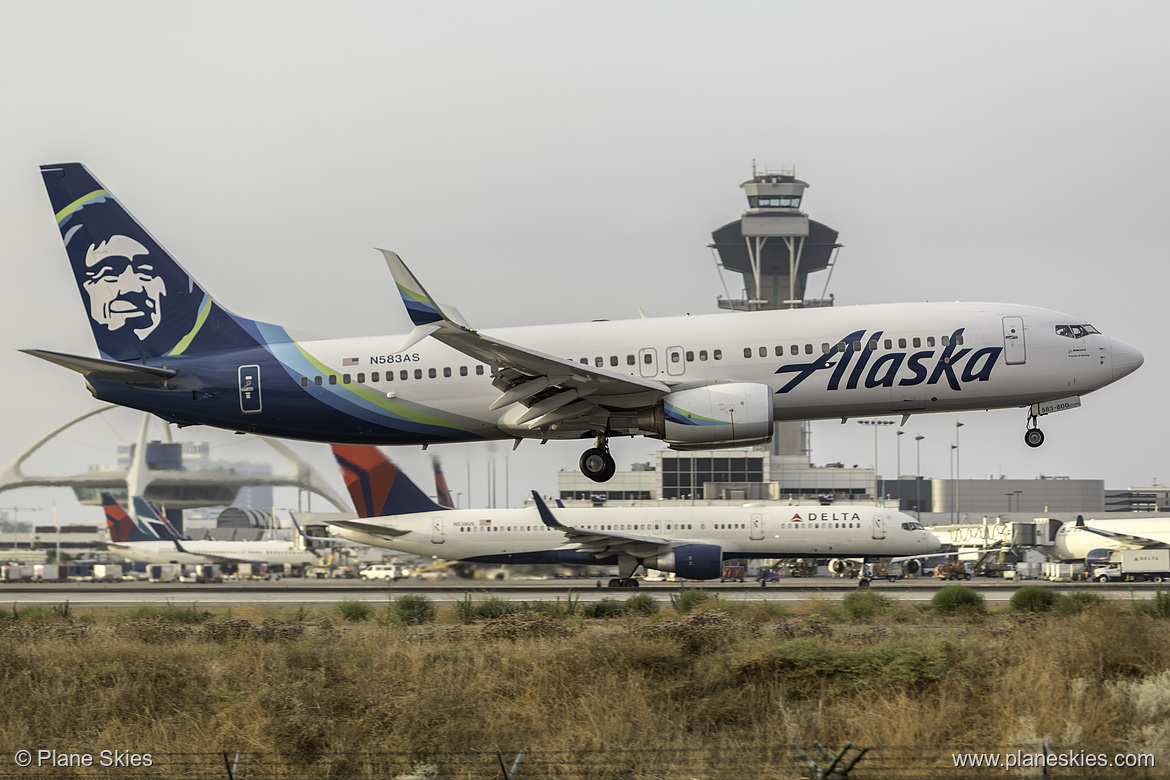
(698,382)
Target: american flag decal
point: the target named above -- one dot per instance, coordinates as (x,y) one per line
(485,522)
(349,361)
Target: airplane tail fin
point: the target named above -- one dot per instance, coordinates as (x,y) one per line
(377,486)
(141,303)
(121,525)
(149,516)
(442,492)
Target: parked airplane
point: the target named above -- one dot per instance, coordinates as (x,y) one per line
(694,382)
(690,541)
(1081,539)
(144,536)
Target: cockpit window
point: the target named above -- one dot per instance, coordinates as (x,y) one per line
(1075,331)
(912,527)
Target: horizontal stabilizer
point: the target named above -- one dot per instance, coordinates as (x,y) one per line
(99,368)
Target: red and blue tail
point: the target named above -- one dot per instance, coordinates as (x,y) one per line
(377,486)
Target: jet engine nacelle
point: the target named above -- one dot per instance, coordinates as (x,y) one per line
(912,566)
(692,561)
(731,413)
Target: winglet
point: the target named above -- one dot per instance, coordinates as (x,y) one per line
(419,304)
(546,515)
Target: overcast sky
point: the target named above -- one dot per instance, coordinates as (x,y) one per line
(552,162)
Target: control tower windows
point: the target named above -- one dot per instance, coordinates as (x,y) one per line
(774,201)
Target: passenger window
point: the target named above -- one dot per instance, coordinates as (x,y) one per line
(361,378)
(690,356)
(613,361)
(418,373)
(888,344)
(304,381)
(462,370)
(630,361)
(747,352)
(403,375)
(479,370)
(675,357)
(432,373)
(763,352)
(930,341)
(959,339)
(873,345)
(917,342)
(446,371)
(333,379)
(825,348)
(717,354)
(945,341)
(702,354)
(779,351)
(901,343)
(345,379)
(647,358)
(808,349)
(599,361)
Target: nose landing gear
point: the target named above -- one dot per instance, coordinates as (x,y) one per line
(597,463)
(1033,437)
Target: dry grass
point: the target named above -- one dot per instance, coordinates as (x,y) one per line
(279,681)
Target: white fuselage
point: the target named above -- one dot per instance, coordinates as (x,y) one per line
(1073,543)
(891,359)
(519,536)
(214,552)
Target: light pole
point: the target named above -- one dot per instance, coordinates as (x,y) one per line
(953,483)
(899,475)
(958,471)
(918,478)
(876,424)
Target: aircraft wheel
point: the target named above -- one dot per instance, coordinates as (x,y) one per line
(1034,437)
(597,464)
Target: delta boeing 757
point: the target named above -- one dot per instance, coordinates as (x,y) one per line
(696,382)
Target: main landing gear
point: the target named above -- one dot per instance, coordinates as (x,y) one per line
(627,565)
(597,463)
(1033,437)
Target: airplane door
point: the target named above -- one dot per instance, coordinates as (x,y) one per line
(1013,341)
(757,527)
(437,530)
(648,361)
(675,361)
(250,389)
(879,526)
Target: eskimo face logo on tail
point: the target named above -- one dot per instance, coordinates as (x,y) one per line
(851,362)
(123,288)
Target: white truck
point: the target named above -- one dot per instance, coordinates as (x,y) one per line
(382,571)
(1135,566)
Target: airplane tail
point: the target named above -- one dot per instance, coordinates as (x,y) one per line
(121,525)
(442,492)
(377,486)
(149,516)
(141,303)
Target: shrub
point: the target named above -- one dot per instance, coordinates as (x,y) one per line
(492,608)
(688,598)
(169,612)
(1074,603)
(413,609)
(1033,598)
(1158,607)
(641,604)
(354,610)
(956,599)
(860,604)
(604,609)
(524,625)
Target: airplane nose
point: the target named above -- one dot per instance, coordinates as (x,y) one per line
(1126,359)
(932,542)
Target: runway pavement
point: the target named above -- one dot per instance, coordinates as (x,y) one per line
(315,593)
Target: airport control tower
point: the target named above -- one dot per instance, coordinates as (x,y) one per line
(774,246)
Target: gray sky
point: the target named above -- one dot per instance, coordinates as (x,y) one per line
(541,162)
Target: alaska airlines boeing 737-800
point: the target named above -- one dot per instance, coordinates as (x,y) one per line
(694,382)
